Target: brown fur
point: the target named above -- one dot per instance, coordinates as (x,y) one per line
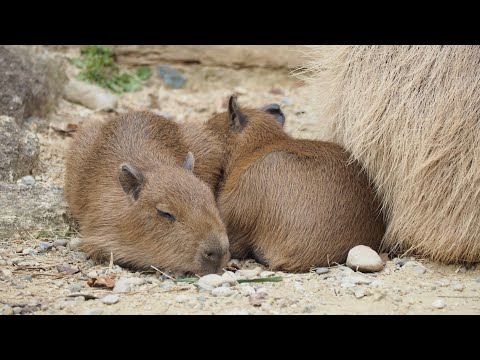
(293,204)
(113,221)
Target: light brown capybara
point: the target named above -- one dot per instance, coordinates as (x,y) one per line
(291,204)
(130,185)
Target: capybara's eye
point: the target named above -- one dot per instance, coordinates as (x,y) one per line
(166,215)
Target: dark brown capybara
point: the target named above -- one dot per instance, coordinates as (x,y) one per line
(291,204)
(130,186)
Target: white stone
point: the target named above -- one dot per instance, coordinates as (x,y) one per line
(438,304)
(223,291)
(89,95)
(363,258)
(110,299)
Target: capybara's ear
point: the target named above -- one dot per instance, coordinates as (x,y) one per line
(274,109)
(236,120)
(189,161)
(131,180)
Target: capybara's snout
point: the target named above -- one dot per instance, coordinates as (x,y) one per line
(215,254)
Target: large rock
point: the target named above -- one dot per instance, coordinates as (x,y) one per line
(31,208)
(19,150)
(31,80)
(90,95)
(237,56)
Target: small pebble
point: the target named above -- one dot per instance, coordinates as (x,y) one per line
(359,293)
(265,274)
(44,246)
(363,258)
(3,262)
(60,242)
(439,304)
(28,180)
(74,288)
(27,278)
(223,291)
(92,274)
(18,249)
(247,290)
(7,310)
(110,299)
(322,270)
(229,278)
(249,274)
(400,262)
(122,285)
(17,310)
(458,287)
(420,269)
(29,251)
(210,281)
(287,101)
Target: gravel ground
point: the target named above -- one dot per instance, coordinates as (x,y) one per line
(44,273)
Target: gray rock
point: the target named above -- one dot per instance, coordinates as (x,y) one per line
(28,180)
(223,291)
(19,150)
(92,274)
(171,77)
(3,262)
(363,258)
(31,81)
(27,278)
(439,304)
(89,95)
(209,282)
(60,242)
(322,270)
(110,299)
(29,251)
(44,247)
(74,288)
(458,287)
(400,262)
(74,244)
(31,208)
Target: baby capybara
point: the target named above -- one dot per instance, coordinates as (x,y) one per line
(130,186)
(291,204)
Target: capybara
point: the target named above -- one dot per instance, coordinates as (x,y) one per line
(410,115)
(130,185)
(291,204)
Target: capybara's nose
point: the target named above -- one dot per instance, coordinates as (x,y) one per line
(216,255)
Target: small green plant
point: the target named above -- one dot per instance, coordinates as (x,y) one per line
(99,67)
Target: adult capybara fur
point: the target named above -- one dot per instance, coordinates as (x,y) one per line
(291,204)
(410,115)
(130,185)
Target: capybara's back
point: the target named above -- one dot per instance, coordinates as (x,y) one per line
(130,185)
(292,204)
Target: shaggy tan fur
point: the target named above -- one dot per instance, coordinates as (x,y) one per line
(127,188)
(410,115)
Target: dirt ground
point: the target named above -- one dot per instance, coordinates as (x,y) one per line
(55,281)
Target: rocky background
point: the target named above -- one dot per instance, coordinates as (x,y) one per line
(42,103)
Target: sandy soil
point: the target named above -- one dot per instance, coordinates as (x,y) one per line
(55,281)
